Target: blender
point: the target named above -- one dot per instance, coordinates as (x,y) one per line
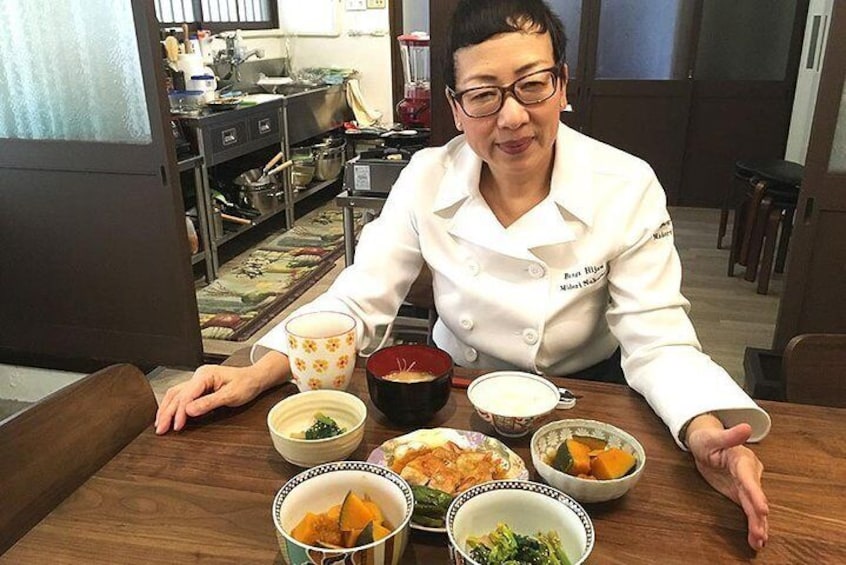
(414,109)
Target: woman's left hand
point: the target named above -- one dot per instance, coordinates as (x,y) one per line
(732,469)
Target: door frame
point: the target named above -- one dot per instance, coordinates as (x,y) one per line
(823,193)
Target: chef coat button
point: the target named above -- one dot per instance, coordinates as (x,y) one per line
(530,336)
(466,322)
(471,354)
(536,271)
(473,267)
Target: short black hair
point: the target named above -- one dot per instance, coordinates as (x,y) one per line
(475,21)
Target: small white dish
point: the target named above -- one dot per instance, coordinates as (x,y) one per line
(514,402)
(296,414)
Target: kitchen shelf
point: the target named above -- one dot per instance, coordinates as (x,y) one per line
(196,164)
(303,193)
(189,163)
(255,221)
(273,120)
(230,235)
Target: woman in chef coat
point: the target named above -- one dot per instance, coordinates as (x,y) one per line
(548,250)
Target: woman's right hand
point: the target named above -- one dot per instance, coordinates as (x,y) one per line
(213,386)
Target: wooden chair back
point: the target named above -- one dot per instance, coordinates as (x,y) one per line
(421,295)
(814,368)
(49,449)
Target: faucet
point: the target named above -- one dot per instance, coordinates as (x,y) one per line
(234,54)
(258,53)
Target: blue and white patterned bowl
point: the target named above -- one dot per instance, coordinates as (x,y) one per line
(320,488)
(527,508)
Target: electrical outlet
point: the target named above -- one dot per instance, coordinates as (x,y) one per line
(374,4)
(355,5)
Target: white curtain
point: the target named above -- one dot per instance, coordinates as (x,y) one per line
(69,70)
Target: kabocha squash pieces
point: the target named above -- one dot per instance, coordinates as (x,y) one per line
(590,458)
(355,515)
(611,464)
(355,522)
(594,443)
(316,529)
(573,457)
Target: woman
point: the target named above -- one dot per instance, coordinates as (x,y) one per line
(549,250)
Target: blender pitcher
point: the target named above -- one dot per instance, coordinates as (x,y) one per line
(414,110)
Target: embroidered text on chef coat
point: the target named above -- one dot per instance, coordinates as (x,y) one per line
(583,278)
(664,230)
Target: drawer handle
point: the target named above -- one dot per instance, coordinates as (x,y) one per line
(264,125)
(230,136)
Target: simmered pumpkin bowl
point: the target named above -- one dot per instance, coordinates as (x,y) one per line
(589,460)
(345,512)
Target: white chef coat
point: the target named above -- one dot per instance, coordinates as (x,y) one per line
(591,266)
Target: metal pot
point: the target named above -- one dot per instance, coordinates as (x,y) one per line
(302,171)
(329,160)
(260,191)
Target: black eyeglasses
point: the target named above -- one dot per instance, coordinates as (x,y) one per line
(483,101)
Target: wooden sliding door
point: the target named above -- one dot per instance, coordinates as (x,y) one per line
(94,264)
(688,85)
(744,76)
(637,81)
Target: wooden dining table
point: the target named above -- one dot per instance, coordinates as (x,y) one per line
(204,494)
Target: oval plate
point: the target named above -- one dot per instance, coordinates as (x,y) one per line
(434,437)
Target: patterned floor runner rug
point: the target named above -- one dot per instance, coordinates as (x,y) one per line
(251,291)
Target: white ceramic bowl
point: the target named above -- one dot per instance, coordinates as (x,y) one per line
(322,487)
(513,402)
(296,414)
(527,508)
(550,436)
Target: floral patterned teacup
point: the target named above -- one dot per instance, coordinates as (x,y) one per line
(321,349)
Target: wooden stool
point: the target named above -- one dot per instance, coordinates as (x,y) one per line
(743,175)
(766,211)
(782,175)
(778,211)
(772,191)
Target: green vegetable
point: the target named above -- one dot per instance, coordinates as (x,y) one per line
(428,510)
(323,427)
(505,547)
(427,521)
(434,497)
(430,506)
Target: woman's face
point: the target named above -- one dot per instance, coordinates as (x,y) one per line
(518,139)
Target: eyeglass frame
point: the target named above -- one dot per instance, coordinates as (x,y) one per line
(503,90)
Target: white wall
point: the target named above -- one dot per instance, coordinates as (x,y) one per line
(808,81)
(363,43)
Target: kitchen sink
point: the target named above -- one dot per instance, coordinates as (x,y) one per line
(290,89)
